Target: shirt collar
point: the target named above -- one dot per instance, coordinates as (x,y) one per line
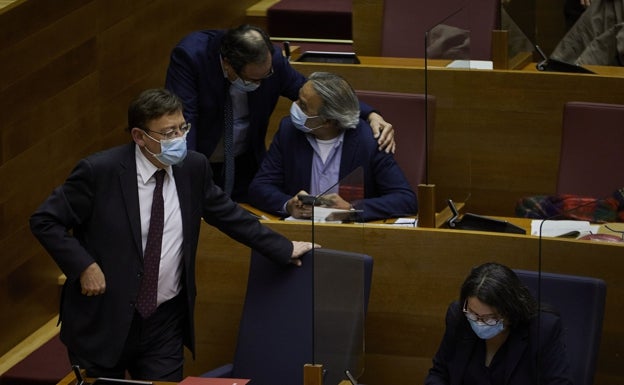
(145,168)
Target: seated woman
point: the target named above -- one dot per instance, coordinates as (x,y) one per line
(490,335)
(320,143)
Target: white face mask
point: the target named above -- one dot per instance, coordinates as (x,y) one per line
(245,86)
(299,118)
(172,151)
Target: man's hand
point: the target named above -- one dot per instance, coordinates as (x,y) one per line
(297,209)
(300,248)
(92,280)
(383,132)
(335,201)
(585,3)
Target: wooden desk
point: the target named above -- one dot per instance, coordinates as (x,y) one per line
(417,273)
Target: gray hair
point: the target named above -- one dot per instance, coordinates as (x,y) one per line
(339,100)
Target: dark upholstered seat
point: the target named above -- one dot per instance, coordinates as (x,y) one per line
(279,332)
(592,149)
(406,21)
(407,113)
(580,302)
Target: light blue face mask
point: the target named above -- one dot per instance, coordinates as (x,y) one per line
(485,332)
(299,118)
(172,151)
(245,86)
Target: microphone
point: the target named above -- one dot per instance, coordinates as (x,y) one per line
(286,45)
(352,379)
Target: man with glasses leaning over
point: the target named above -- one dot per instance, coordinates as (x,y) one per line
(238,73)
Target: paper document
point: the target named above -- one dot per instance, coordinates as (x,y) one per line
(558,228)
(472,64)
(321,214)
(401,222)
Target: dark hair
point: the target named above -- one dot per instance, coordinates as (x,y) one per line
(152,104)
(244,45)
(498,286)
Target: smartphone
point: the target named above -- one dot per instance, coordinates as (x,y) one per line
(307,199)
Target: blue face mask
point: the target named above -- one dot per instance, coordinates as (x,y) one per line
(172,151)
(299,118)
(485,332)
(245,86)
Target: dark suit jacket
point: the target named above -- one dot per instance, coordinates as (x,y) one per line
(288,166)
(449,363)
(196,76)
(99,204)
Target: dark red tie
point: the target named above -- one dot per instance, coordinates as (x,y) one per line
(148,292)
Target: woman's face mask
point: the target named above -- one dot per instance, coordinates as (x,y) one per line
(484,331)
(299,118)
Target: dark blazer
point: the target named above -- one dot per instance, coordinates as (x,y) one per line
(94,217)
(449,363)
(196,76)
(287,168)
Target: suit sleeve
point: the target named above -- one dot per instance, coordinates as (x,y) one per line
(290,79)
(392,196)
(395,196)
(66,208)
(439,373)
(182,80)
(266,190)
(221,212)
(554,364)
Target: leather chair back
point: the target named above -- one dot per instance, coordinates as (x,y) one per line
(580,302)
(278,325)
(406,21)
(592,149)
(413,135)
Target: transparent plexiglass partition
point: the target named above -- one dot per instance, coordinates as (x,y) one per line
(339,314)
(518,18)
(339,301)
(452,44)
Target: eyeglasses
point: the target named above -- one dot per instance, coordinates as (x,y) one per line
(248,82)
(171,133)
(488,320)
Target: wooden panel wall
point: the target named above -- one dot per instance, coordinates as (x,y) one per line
(68,70)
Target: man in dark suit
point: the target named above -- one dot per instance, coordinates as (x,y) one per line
(207,67)
(323,141)
(97,226)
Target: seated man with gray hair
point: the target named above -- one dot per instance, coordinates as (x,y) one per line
(320,143)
